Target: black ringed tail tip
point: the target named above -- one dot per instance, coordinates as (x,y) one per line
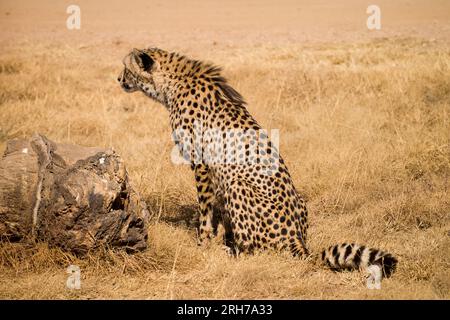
(352,256)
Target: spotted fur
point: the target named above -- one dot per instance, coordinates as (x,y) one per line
(259,198)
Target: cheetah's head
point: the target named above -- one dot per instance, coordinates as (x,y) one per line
(141,72)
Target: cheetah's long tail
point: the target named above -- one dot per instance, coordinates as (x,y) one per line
(352,256)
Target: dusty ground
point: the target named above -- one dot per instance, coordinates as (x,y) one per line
(364,120)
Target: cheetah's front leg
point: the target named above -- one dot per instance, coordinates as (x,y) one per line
(206,197)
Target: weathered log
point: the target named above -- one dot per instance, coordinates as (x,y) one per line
(70,196)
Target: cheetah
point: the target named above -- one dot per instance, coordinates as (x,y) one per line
(259,198)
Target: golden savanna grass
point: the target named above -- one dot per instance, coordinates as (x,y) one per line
(364,129)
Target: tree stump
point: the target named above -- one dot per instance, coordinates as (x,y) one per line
(70,196)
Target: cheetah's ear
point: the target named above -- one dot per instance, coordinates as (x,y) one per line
(143,60)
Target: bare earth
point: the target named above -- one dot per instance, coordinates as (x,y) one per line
(364,128)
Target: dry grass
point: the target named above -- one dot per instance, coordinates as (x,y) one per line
(365,131)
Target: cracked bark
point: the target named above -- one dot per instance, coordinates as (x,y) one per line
(74,197)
